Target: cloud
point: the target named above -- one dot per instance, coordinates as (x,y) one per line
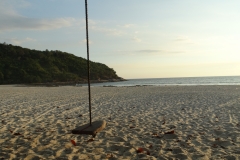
(11,20)
(85,41)
(17,22)
(90,23)
(126,25)
(106,27)
(16,41)
(11,5)
(183,39)
(159,52)
(147,52)
(108,31)
(136,39)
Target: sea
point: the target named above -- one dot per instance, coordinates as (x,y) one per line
(223,80)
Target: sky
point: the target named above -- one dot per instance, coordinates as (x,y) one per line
(137,38)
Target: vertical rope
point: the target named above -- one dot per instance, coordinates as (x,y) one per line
(88,64)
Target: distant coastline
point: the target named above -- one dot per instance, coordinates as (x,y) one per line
(79,83)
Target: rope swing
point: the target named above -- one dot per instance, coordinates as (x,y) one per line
(96,126)
(88,65)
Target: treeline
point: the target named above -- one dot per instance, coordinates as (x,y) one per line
(22,66)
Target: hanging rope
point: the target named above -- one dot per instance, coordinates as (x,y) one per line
(88,64)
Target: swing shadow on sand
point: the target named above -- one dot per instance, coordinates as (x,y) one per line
(97,126)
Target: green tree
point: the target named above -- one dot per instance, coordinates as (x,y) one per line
(1,77)
(22,65)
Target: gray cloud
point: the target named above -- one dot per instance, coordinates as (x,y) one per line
(126,25)
(11,20)
(149,51)
(136,39)
(159,52)
(183,39)
(179,39)
(107,31)
(85,41)
(16,41)
(17,22)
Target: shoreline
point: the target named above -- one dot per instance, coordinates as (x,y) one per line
(148,122)
(57,84)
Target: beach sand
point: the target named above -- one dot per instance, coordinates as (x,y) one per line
(146,122)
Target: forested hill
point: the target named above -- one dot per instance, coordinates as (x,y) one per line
(22,66)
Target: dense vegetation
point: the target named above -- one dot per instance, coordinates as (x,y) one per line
(21,65)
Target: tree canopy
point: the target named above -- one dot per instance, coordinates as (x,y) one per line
(21,65)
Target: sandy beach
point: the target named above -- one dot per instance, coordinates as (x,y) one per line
(144,122)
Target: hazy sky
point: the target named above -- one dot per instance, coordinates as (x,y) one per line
(137,38)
